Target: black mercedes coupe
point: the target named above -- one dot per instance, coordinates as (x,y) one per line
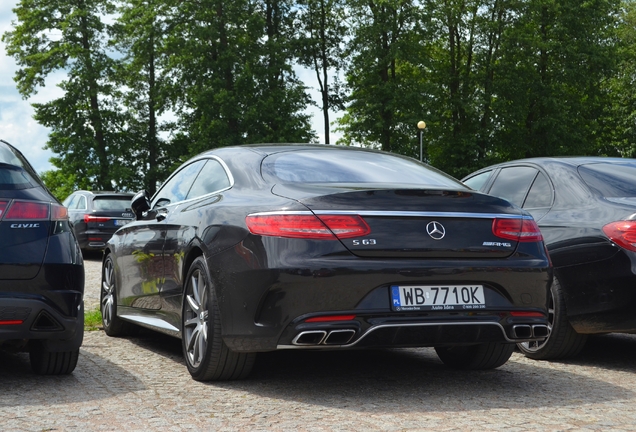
(41,271)
(269,247)
(586,210)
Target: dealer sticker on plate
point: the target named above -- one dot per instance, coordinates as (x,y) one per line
(437,297)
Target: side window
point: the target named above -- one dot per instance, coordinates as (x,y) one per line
(540,195)
(70,201)
(176,189)
(513,183)
(212,178)
(478,181)
(81,203)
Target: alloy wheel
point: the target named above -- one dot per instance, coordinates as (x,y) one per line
(108,293)
(195,319)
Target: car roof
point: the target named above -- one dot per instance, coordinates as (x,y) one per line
(272,148)
(566,160)
(105,193)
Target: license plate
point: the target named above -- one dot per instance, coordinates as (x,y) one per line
(437,297)
(121,222)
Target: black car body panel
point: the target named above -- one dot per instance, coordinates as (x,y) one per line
(41,268)
(274,291)
(597,275)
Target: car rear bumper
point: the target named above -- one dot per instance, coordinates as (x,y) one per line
(34,319)
(267,309)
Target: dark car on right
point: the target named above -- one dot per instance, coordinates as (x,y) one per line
(96,215)
(586,210)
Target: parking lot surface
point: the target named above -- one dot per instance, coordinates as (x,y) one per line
(141,383)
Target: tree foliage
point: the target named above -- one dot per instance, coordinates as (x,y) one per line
(148,83)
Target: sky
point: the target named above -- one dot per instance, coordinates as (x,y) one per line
(17,126)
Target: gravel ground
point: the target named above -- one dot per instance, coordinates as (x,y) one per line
(141,383)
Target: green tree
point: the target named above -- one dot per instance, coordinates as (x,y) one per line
(233,83)
(139,35)
(68,36)
(619,125)
(387,89)
(465,52)
(556,58)
(323,28)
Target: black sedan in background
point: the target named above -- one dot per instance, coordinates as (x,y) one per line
(586,210)
(41,271)
(260,248)
(96,215)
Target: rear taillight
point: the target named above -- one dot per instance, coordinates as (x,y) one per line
(623,233)
(58,212)
(89,218)
(27,210)
(522,230)
(307,226)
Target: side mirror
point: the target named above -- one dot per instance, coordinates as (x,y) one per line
(140,203)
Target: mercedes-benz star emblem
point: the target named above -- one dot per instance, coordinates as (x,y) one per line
(436,230)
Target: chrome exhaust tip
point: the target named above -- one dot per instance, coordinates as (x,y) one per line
(541,331)
(315,337)
(521,331)
(339,337)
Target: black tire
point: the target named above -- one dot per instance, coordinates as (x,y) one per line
(563,341)
(113,325)
(476,357)
(205,353)
(44,362)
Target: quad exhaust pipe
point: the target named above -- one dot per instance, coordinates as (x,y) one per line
(323,337)
(530,331)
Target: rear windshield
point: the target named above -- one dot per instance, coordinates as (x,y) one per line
(111,203)
(611,180)
(343,166)
(13,177)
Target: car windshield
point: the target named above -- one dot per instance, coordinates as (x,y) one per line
(111,203)
(342,166)
(611,180)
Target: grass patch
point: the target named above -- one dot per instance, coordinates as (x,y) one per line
(92,320)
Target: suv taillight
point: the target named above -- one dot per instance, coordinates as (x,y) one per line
(90,218)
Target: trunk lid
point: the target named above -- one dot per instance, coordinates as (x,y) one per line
(413,223)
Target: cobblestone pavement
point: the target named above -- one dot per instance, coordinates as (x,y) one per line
(141,383)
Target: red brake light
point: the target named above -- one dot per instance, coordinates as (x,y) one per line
(3,206)
(527,314)
(21,210)
(88,218)
(623,233)
(11,322)
(307,226)
(522,230)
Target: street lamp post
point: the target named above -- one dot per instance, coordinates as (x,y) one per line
(421,126)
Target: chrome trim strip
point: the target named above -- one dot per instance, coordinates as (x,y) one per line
(381,326)
(154,322)
(397,214)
